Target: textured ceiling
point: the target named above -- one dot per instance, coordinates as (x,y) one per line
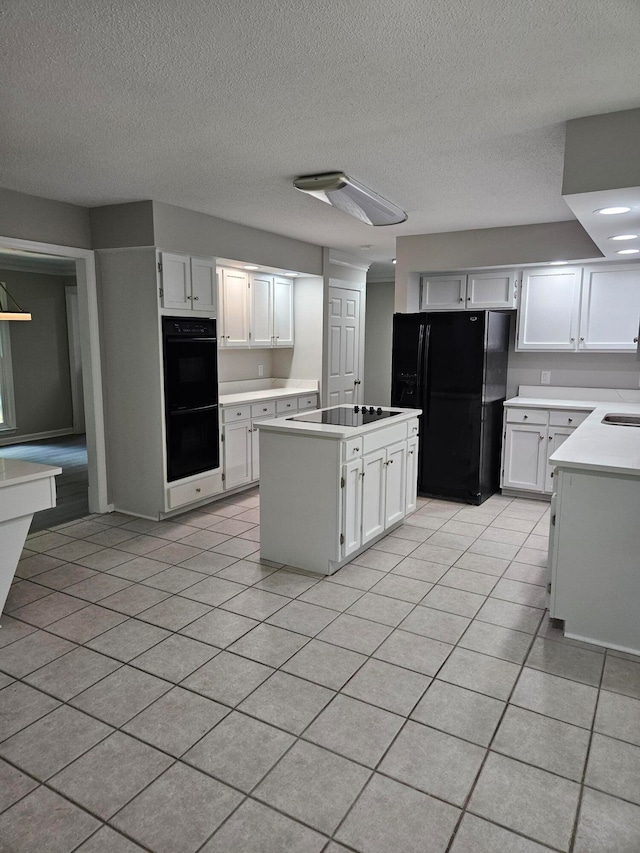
(453,109)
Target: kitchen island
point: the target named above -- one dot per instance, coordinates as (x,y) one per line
(594,545)
(25,488)
(329,490)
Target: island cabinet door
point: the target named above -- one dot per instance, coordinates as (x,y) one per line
(396,485)
(373,494)
(351,506)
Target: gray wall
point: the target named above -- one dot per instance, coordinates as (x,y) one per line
(28,217)
(180,230)
(40,354)
(118,226)
(601,152)
(377,343)
(236,364)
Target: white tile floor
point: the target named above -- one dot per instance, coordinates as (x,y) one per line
(161,689)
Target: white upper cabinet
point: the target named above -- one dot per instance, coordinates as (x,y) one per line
(175,277)
(443,292)
(257,310)
(282,312)
(204,285)
(188,284)
(548,313)
(475,291)
(610,308)
(235,308)
(261,311)
(492,289)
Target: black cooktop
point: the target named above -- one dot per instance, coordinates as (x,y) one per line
(346,416)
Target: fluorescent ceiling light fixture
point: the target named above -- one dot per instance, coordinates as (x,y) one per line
(341,191)
(558,263)
(291,275)
(628,252)
(12,315)
(612,211)
(250,267)
(624,237)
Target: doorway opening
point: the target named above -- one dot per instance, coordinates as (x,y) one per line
(54,387)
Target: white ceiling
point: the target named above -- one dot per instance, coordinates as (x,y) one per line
(453,109)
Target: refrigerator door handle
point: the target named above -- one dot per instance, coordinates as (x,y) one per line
(423,366)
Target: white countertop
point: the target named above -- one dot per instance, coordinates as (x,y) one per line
(249,391)
(608,448)
(538,403)
(333,431)
(558,397)
(14,471)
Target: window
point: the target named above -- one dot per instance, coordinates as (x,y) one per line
(7,405)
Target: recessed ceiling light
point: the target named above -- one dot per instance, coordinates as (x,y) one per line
(628,252)
(612,211)
(624,237)
(250,267)
(558,263)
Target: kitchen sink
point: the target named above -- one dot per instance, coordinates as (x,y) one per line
(622,420)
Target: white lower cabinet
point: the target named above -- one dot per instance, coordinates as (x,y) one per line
(376,492)
(530,437)
(236,454)
(411,480)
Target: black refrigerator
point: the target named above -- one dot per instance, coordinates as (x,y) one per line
(453,366)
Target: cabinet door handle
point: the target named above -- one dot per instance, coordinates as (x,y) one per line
(541,437)
(264,410)
(356,450)
(239,414)
(198,490)
(525,417)
(411,453)
(635,340)
(195,298)
(461,299)
(550,437)
(572,340)
(570,420)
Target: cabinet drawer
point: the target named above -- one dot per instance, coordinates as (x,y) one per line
(528,416)
(352,449)
(567,418)
(383,437)
(308,402)
(263,410)
(235,413)
(195,491)
(285,407)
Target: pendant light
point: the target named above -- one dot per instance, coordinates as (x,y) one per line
(12,315)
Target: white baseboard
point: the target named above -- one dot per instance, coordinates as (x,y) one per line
(35,436)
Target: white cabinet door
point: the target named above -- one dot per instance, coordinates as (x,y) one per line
(235,308)
(548,312)
(236,444)
(555,438)
(373,494)
(283,312)
(204,285)
(491,290)
(411,500)
(396,483)
(262,311)
(525,457)
(445,292)
(176,281)
(352,506)
(610,308)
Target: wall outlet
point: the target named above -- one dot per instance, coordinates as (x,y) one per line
(261,370)
(545,377)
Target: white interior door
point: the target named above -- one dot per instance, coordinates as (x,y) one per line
(344,346)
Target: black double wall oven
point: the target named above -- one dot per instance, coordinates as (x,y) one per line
(190,351)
